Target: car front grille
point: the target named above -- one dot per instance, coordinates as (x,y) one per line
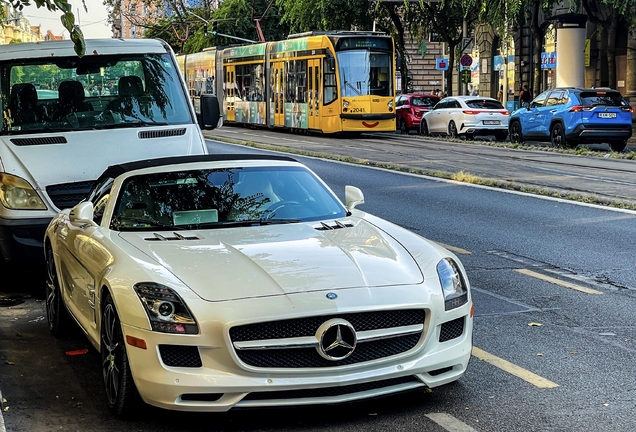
(451,329)
(308,357)
(67,195)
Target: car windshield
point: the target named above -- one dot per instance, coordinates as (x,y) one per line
(605,98)
(423,101)
(218,198)
(484,104)
(64,94)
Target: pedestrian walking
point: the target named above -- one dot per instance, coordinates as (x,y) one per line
(500,94)
(525,95)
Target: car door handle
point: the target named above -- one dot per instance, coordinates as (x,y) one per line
(553,111)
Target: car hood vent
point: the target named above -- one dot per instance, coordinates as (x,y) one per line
(162,133)
(177,236)
(336,224)
(39,141)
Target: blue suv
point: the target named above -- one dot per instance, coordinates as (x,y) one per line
(568,116)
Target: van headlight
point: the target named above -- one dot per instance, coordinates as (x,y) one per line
(453,284)
(166,310)
(17,194)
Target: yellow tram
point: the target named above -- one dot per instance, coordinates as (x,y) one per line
(335,81)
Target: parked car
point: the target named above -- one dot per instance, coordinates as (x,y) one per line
(568,116)
(218,281)
(466,116)
(409,109)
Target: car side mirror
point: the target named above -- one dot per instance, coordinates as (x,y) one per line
(210,117)
(82,213)
(353,197)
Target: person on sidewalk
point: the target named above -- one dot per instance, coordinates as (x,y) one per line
(525,95)
(500,94)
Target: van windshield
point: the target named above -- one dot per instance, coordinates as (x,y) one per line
(94,92)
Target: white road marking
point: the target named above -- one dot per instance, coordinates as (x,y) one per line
(450,423)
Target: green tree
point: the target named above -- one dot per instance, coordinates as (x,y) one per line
(307,15)
(67,18)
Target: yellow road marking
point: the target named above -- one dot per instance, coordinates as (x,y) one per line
(557,281)
(455,249)
(513,369)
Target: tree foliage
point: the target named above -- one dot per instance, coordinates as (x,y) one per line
(306,15)
(67,18)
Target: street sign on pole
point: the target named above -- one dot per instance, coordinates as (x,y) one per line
(441,64)
(466,60)
(467,44)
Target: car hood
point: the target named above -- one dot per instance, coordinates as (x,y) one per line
(247,262)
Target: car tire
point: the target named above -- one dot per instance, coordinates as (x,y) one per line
(121,394)
(424,128)
(501,136)
(618,146)
(403,129)
(516,136)
(56,314)
(452,129)
(557,135)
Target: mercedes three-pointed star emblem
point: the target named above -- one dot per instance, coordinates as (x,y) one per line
(336,339)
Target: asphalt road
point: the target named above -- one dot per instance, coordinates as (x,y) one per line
(549,357)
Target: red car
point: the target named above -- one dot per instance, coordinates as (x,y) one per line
(409,109)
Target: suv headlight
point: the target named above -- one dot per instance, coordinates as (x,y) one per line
(17,194)
(453,284)
(166,310)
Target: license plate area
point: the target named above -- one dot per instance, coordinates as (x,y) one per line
(492,122)
(607,115)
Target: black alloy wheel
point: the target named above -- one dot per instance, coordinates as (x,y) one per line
(557,135)
(424,128)
(516,137)
(121,394)
(452,129)
(56,314)
(618,146)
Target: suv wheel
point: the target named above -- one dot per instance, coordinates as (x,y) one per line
(557,135)
(516,137)
(618,146)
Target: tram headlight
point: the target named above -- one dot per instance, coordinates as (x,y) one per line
(390,104)
(345,104)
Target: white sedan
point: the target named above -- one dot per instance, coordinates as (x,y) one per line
(466,116)
(220,281)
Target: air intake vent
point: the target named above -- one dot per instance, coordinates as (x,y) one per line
(163,133)
(177,236)
(66,195)
(39,141)
(328,226)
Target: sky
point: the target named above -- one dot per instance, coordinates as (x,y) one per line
(94,23)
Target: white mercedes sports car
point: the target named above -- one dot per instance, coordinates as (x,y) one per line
(219,281)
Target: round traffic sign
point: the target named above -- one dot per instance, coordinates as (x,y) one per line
(466,60)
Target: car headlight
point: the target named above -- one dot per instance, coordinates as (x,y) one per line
(16,193)
(166,310)
(453,284)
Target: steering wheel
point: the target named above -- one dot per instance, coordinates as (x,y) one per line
(274,207)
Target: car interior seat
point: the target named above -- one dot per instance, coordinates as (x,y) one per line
(71,99)
(130,89)
(24,104)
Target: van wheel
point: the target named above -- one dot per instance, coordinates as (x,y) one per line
(557,135)
(618,146)
(452,129)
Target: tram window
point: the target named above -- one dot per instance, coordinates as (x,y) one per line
(330,90)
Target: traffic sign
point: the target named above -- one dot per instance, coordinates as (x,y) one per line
(441,64)
(465,75)
(466,60)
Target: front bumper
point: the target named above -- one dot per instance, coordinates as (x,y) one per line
(221,381)
(22,239)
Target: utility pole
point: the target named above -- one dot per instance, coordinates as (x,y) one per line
(463,86)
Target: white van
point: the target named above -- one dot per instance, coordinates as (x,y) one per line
(65,119)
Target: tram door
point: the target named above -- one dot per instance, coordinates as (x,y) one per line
(230,93)
(314,93)
(277,93)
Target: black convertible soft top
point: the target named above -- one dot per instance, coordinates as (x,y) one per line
(119,169)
